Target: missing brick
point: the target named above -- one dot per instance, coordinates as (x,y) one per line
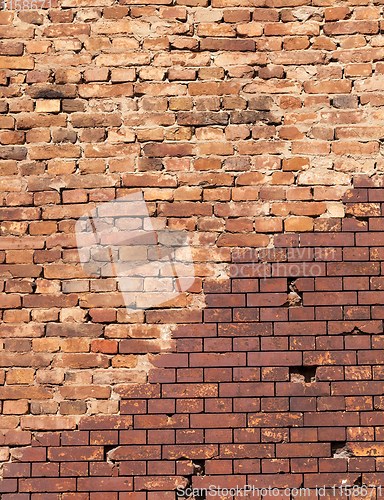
(107,450)
(199,467)
(339,449)
(295,299)
(302,374)
(198,470)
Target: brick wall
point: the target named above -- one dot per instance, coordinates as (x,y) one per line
(253,126)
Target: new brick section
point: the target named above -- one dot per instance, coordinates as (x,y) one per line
(246,127)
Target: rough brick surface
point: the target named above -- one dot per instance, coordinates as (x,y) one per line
(256,128)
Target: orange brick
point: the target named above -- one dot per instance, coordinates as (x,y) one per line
(298,224)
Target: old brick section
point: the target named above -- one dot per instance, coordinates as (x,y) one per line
(256,128)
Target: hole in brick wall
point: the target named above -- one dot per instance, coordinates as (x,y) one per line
(356,331)
(302,374)
(355,217)
(107,450)
(198,470)
(339,449)
(199,467)
(88,317)
(295,299)
(199,498)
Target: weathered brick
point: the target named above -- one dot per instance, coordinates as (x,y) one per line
(275,367)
